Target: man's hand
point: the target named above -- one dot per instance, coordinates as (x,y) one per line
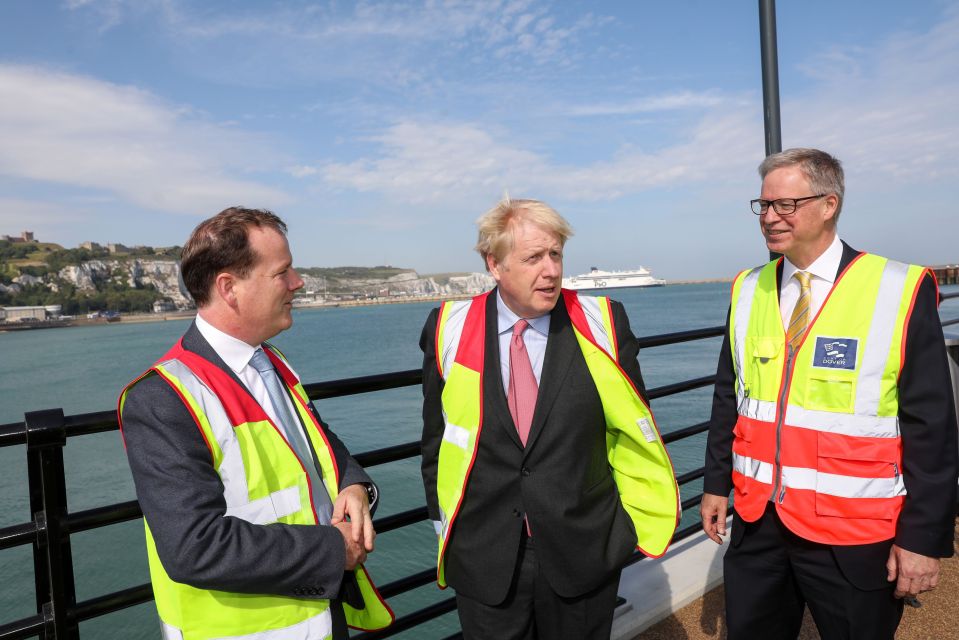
(713,512)
(352,503)
(355,553)
(912,572)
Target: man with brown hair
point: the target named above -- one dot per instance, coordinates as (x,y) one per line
(257,518)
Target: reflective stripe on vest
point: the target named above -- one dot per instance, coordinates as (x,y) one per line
(316,628)
(638,459)
(820,428)
(269,485)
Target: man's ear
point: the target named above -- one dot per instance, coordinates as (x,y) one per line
(832,203)
(493,267)
(224,288)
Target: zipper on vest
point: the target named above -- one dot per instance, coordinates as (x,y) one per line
(780,419)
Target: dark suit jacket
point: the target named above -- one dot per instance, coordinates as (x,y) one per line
(182,500)
(561,479)
(927,421)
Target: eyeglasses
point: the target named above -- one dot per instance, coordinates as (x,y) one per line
(782,206)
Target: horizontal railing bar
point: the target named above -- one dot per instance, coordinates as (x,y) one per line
(685,432)
(407,583)
(689,476)
(27,628)
(18,534)
(397,520)
(950,322)
(411,620)
(690,502)
(664,339)
(388,454)
(103,516)
(947,296)
(679,387)
(364,384)
(102,605)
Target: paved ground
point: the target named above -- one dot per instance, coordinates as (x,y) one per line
(937,619)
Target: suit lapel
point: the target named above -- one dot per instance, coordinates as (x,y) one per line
(495,406)
(561,346)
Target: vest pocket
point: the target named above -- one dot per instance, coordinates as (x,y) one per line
(857,477)
(763,358)
(830,394)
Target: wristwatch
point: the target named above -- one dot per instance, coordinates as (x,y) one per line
(371,492)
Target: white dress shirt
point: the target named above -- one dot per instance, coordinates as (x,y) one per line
(823,271)
(236,354)
(534,338)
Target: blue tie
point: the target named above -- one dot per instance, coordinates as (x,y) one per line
(293,433)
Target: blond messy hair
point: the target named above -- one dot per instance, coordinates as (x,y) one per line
(496,235)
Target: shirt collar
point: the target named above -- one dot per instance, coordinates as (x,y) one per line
(825,267)
(505,318)
(233,351)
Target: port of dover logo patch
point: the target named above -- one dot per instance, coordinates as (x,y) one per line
(835,353)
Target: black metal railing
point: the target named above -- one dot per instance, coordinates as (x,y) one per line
(49,531)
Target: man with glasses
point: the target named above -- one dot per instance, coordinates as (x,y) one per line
(833,421)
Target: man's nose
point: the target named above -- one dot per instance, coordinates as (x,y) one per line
(553,268)
(296,282)
(771,215)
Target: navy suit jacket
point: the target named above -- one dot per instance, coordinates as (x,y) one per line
(561,479)
(182,500)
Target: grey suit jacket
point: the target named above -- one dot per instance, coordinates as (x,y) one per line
(561,479)
(182,500)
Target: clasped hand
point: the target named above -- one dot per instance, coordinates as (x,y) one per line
(351,516)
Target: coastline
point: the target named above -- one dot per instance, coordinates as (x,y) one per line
(297,304)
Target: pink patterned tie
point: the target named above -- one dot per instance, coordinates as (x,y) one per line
(522,383)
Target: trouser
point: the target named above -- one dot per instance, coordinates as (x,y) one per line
(533,611)
(771,574)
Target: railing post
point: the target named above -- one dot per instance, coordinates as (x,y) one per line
(52,558)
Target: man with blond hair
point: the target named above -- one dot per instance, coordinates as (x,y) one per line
(542,465)
(833,421)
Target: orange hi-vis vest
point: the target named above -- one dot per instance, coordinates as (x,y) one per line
(263,482)
(818,428)
(638,459)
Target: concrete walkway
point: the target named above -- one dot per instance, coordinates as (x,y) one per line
(937,619)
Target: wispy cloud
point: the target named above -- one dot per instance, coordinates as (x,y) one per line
(319,33)
(889,111)
(667,102)
(421,161)
(82,132)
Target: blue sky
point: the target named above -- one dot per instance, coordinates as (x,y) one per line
(381,130)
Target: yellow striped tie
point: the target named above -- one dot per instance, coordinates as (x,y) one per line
(800,317)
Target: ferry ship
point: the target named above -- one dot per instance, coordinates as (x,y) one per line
(599,279)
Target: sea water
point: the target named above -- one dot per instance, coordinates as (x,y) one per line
(82,369)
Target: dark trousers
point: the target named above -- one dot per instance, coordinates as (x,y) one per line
(771,574)
(533,611)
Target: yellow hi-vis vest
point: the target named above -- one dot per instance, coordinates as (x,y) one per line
(818,429)
(263,482)
(637,456)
